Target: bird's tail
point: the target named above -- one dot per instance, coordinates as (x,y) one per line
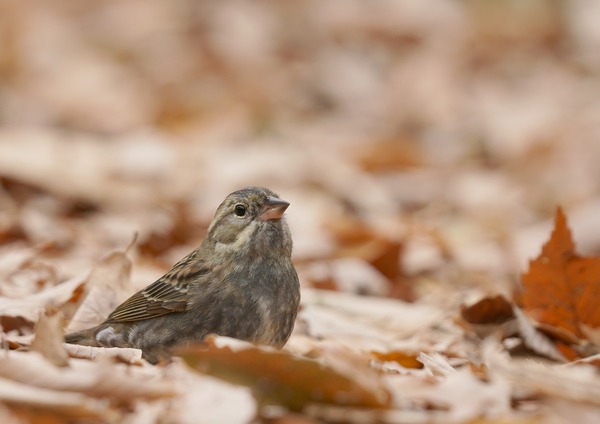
(84,337)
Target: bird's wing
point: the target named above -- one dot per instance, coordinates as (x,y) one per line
(168,294)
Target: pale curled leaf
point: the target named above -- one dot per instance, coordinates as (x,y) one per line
(95,378)
(590,360)
(127,355)
(49,337)
(436,364)
(339,414)
(75,405)
(218,401)
(534,339)
(457,397)
(13,257)
(592,334)
(29,275)
(107,286)
(578,383)
(30,307)
(379,318)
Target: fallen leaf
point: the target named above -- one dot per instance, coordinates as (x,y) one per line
(94,378)
(590,360)
(29,279)
(279,377)
(536,340)
(125,355)
(561,288)
(72,405)
(48,338)
(22,273)
(31,307)
(13,256)
(436,364)
(407,360)
(107,287)
(371,323)
(578,383)
(218,401)
(488,310)
(593,335)
(456,396)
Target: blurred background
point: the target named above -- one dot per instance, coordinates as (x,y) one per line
(424,146)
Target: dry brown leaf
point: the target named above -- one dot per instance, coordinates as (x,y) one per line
(490,315)
(453,117)
(291,380)
(49,337)
(407,360)
(561,288)
(488,310)
(108,285)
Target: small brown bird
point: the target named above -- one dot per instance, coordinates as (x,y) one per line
(240,282)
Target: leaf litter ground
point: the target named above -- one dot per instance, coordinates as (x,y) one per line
(424,148)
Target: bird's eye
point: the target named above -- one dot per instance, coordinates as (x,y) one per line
(240,210)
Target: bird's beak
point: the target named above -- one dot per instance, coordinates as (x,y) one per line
(274,208)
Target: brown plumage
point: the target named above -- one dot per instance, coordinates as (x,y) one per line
(240,282)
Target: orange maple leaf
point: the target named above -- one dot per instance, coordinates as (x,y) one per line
(561,288)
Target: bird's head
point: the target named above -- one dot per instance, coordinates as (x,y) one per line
(251,219)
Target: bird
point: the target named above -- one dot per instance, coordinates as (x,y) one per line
(239,282)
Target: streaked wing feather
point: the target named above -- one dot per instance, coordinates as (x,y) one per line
(166,295)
